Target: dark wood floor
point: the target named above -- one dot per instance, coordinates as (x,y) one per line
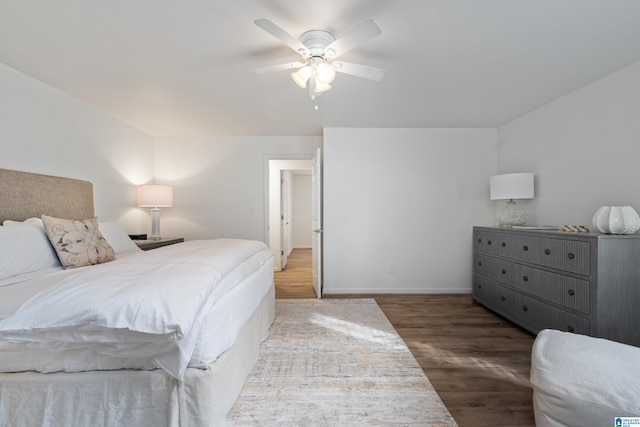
(477,362)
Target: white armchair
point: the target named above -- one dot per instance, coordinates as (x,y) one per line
(583,381)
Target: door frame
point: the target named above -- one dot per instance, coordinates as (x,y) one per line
(316,215)
(274,165)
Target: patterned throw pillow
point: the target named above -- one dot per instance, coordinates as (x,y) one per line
(78,243)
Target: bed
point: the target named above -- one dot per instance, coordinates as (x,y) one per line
(164,338)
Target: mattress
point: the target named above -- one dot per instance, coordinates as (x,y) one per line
(70,337)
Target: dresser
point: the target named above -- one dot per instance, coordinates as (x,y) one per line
(587,283)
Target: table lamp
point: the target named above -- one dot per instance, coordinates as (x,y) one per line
(510,187)
(155,197)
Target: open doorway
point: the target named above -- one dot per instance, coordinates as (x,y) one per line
(274,217)
(281,224)
(296,219)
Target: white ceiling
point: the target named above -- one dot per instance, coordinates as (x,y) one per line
(182,67)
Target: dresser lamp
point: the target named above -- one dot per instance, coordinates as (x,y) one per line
(155,197)
(510,187)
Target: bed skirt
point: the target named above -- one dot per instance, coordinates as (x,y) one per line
(140,398)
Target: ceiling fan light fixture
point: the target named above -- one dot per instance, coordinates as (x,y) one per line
(318,49)
(325,73)
(321,87)
(301,77)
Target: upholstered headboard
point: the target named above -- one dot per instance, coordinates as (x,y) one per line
(25,195)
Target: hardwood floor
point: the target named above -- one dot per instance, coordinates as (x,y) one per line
(477,361)
(296,281)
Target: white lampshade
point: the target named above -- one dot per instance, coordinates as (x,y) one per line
(511,186)
(321,87)
(325,73)
(155,196)
(302,76)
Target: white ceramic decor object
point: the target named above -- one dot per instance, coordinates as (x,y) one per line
(616,220)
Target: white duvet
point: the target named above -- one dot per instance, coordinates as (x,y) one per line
(148,307)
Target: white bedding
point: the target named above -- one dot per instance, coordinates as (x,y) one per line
(140,397)
(142,311)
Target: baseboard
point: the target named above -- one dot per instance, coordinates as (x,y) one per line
(403,291)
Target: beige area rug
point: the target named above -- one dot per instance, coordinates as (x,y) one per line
(336,362)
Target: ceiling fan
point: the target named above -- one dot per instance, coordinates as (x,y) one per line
(319,49)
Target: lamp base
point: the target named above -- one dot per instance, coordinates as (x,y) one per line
(510,215)
(155,224)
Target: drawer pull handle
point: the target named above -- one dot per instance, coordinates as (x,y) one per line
(570,328)
(503,298)
(571,292)
(570,255)
(547,252)
(488,242)
(479,263)
(479,286)
(479,240)
(525,248)
(525,278)
(504,244)
(504,271)
(525,308)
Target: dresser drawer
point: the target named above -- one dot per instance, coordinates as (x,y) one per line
(493,296)
(554,318)
(528,311)
(481,288)
(528,248)
(528,279)
(482,263)
(484,241)
(506,245)
(567,291)
(498,269)
(567,255)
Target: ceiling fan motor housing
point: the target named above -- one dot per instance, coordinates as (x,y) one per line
(316,41)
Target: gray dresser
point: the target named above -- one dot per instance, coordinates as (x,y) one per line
(587,283)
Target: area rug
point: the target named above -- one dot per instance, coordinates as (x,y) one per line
(336,362)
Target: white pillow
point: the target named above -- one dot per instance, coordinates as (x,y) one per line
(35,222)
(25,248)
(117,237)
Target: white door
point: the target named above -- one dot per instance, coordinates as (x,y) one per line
(285,220)
(316,220)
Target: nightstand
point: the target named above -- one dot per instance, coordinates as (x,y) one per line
(147,245)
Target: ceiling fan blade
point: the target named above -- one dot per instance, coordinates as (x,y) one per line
(358,35)
(364,71)
(279,67)
(282,35)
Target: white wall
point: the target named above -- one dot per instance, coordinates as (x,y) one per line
(583,149)
(404,200)
(302,211)
(220,183)
(45,131)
